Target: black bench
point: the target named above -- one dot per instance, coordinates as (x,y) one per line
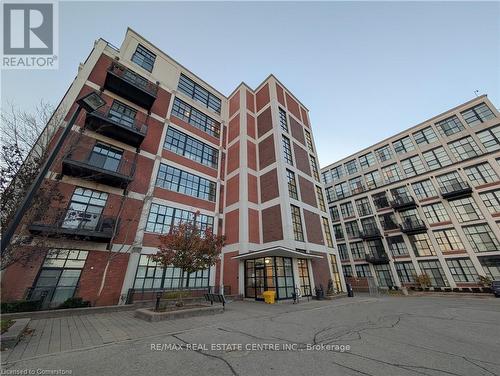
(218,298)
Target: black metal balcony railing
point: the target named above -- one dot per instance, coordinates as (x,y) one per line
(131,85)
(455,189)
(381,203)
(377,258)
(81,163)
(403,202)
(413,226)
(370,232)
(74,224)
(390,225)
(111,124)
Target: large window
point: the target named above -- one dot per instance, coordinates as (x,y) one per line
(199,94)
(105,157)
(448,240)
(450,126)
(391,173)
(373,179)
(161,218)
(421,245)
(358,250)
(491,200)
(464,148)
(403,145)
(328,234)
(356,185)
(309,141)
(434,272)
(481,174)
(123,114)
(297,224)
(334,213)
(176,180)
(283,120)
(435,213)
(384,276)
(337,172)
(351,167)
(347,270)
(352,229)
(314,167)
(388,221)
(292,185)
(198,119)
(481,238)
(466,209)
(342,190)
(397,246)
(330,194)
(406,271)
(413,166)
(462,270)
(363,271)
(425,136)
(477,114)
(152,275)
(320,198)
(85,209)
(366,160)
(436,158)
(384,153)
(380,200)
(189,147)
(337,231)
(304,280)
(347,210)
(424,189)
(490,138)
(343,253)
(144,58)
(287,150)
(363,206)
(336,274)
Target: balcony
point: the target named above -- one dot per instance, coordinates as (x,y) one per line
(403,202)
(455,190)
(412,226)
(370,232)
(97,167)
(130,85)
(74,224)
(378,258)
(123,129)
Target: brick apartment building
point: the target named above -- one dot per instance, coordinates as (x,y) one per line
(426,200)
(167,145)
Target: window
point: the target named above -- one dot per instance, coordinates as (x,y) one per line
(189,147)
(199,94)
(450,126)
(287,150)
(384,153)
(314,167)
(491,266)
(388,221)
(477,114)
(481,238)
(356,185)
(358,250)
(436,158)
(343,253)
(347,210)
(366,161)
(363,271)
(425,136)
(321,200)
(347,270)
(304,282)
(327,177)
(337,231)
(448,240)
(283,120)
(191,115)
(352,229)
(297,224)
(462,270)
(380,200)
(334,213)
(335,272)
(309,141)
(337,172)
(406,271)
(105,157)
(292,185)
(413,166)
(123,114)
(466,209)
(328,234)
(85,209)
(397,246)
(424,189)
(373,179)
(384,276)
(369,225)
(403,145)
(363,206)
(491,200)
(401,193)
(435,213)
(481,174)
(351,167)
(176,180)
(342,190)
(464,148)
(330,194)
(490,138)
(144,58)
(421,245)
(450,182)
(434,272)
(161,218)
(391,173)
(152,275)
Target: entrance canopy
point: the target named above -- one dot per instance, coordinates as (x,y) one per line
(276,251)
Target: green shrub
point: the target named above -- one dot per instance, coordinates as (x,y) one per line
(20,306)
(74,303)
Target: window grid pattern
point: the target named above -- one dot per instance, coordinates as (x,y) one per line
(421,245)
(283,120)
(413,166)
(491,200)
(462,270)
(481,174)
(314,167)
(292,185)
(161,218)
(328,234)
(321,200)
(191,115)
(384,153)
(436,158)
(199,94)
(481,238)
(287,150)
(477,114)
(424,189)
(144,58)
(466,209)
(189,147)
(435,213)
(297,224)
(347,210)
(406,271)
(448,240)
(397,246)
(309,141)
(366,160)
(449,126)
(434,272)
(403,145)
(425,136)
(464,148)
(358,250)
(363,206)
(391,173)
(490,138)
(363,271)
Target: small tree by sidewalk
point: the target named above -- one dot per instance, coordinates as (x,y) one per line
(423,280)
(190,249)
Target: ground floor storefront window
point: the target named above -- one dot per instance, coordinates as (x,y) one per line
(151,275)
(269,274)
(384,276)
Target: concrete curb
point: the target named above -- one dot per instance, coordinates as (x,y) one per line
(10,338)
(35,315)
(151,316)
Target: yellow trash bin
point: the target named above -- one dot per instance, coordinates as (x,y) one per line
(269,296)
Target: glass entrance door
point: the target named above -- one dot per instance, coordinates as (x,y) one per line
(269,274)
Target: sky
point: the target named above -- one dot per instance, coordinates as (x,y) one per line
(365,70)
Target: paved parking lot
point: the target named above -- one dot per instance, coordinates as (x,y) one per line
(359,336)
